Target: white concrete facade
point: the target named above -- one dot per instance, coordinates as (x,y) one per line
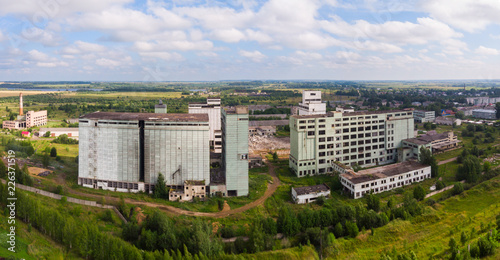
(55,132)
(424,116)
(311,103)
(309,197)
(213,109)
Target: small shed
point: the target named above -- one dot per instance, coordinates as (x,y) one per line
(303,195)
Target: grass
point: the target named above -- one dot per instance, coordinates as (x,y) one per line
(15,93)
(428,235)
(128,95)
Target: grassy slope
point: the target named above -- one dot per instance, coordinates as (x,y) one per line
(428,235)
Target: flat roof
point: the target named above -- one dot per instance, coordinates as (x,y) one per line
(59,129)
(484,110)
(383,171)
(146,116)
(428,138)
(311,189)
(353,113)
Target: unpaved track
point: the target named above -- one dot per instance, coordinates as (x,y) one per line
(271,188)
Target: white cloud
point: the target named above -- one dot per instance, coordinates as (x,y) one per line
(43,10)
(36,55)
(255,56)
(468,15)
(81,47)
(52,64)
(2,36)
(163,55)
(228,35)
(481,50)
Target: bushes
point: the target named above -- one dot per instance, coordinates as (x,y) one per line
(64,139)
(457,189)
(440,185)
(419,193)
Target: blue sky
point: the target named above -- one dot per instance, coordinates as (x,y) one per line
(191,40)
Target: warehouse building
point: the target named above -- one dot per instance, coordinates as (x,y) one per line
(235,149)
(127,151)
(31,119)
(213,109)
(357,138)
(55,131)
(436,143)
(384,178)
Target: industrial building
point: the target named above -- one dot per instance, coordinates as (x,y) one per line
(484,114)
(446,120)
(160,107)
(127,151)
(308,194)
(235,149)
(437,143)
(356,138)
(31,119)
(380,179)
(421,116)
(311,103)
(213,109)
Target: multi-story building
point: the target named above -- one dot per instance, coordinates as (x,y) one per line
(421,116)
(311,103)
(38,118)
(484,114)
(127,151)
(357,138)
(380,179)
(235,149)
(482,100)
(213,109)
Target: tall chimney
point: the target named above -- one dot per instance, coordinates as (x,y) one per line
(20,104)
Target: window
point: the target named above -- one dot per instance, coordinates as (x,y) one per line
(321,139)
(321,132)
(309,133)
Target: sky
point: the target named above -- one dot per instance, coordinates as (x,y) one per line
(191,40)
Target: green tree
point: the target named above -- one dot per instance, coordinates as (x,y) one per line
(439,185)
(338,230)
(457,188)
(426,157)
(53,152)
(3,169)
(45,160)
(419,193)
(497,105)
(47,134)
(372,202)
(160,190)
(275,156)
(470,169)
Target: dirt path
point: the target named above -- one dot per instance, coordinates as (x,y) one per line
(271,188)
(447,161)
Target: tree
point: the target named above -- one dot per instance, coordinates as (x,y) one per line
(372,202)
(453,248)
(160,190)
(419,193)
(439,185)
(460,115)
(457,188)
(275,156)
(3,169)
(53,152)
(47,134)
(45,160)
(426,157)
(470,169)
(338,230)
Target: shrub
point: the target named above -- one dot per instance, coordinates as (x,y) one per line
(53,152)
(457,188)
(439,185)
(419,193)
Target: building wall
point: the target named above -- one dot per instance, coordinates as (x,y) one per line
(179,151)
(214,118)
(424,116)
(109,151)
(235,152)
(485,114)
(13,124)
(317,141)
(55,132)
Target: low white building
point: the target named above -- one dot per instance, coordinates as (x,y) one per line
(384,178)
(303,195)
(444,120)
(484,113)
(55,132)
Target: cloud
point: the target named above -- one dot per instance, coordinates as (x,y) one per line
(81,47)
(36,55)
(481,50)
(41,10)
(468,15)
(52,64)
(255,56)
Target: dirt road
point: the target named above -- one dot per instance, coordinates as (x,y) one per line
(447,161)
(271,188)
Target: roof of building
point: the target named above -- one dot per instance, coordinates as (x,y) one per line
(428,138)
(356,113)
(194,182)
(383,171)
(484,111)
(55,129)
(311,189)
(146,116)
(240,110)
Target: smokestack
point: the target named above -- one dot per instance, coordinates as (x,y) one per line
(20,104)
